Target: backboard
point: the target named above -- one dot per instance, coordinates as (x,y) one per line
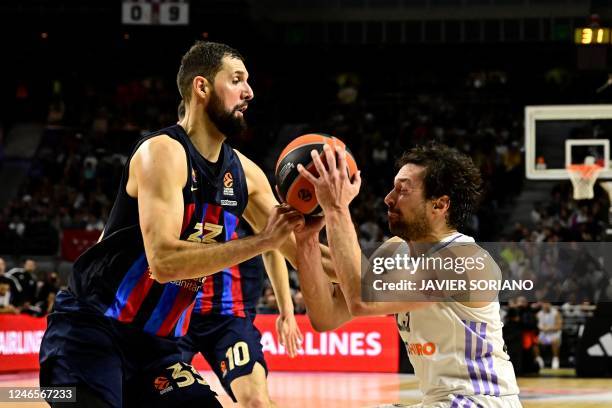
(557,136)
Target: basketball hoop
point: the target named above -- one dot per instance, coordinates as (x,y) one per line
(583,178)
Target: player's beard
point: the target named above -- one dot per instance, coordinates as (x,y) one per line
(413,228)
(226,121)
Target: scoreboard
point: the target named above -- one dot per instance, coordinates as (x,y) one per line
(155,12)
(592,36)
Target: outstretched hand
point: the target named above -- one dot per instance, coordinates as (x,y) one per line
(333,187)
(289,334)
(281,223)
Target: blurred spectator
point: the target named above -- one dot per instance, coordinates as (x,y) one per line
(5,299)
(26,279)
(513,337)
(299,307)
(50,285)
(267,304)
(528,322)
(550,323)
(12,281)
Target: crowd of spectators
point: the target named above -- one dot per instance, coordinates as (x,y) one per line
(73,178)
(27,289)
(90,130)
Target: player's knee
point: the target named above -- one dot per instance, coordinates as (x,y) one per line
(250,393)
(257,400)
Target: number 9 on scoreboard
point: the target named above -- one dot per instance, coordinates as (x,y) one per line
(174,13)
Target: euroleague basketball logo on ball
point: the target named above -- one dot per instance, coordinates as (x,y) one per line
(161,383)
(294,189)
(304,195)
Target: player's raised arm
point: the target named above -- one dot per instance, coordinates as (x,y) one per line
(325,302)
(158,173)
(335,192)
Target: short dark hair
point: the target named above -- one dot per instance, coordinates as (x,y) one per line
(203,58)
(448,172)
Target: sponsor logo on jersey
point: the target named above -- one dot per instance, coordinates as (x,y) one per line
(229,203)
(162,384)
(193,285)
(228,184)
(421,349)
(403,321)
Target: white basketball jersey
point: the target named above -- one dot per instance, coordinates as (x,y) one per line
(456,349)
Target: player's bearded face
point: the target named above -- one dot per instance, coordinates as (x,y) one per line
(407,215)
(409,223)
(228,121)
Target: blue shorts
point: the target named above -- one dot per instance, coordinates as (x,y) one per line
(119,363)
(230,344)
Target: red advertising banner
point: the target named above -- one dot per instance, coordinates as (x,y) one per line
(20,337)
(76,241)
(364,344)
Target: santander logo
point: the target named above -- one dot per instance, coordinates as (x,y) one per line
(421,349)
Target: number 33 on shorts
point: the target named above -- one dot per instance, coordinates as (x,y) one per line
(237,355)
(185,375)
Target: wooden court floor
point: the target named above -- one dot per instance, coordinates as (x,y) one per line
(341,390)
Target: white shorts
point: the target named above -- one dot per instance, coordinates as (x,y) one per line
(548,338)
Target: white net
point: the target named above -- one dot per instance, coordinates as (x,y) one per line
(583,178)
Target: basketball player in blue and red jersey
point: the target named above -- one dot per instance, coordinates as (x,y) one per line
(113,333)
(221,326)
(222,329)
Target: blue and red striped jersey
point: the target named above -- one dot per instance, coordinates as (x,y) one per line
(113,277)
(234,290)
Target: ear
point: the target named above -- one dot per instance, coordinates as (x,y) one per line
(441,203)
(200,87)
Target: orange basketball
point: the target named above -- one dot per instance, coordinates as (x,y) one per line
(294,189)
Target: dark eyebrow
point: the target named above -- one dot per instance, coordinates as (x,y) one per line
(403,180)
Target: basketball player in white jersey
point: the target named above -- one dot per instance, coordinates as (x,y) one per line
(454,339)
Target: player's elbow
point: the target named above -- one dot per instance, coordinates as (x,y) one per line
(159,264)
(322,322)
(358,308)
(159,272)
(322,325)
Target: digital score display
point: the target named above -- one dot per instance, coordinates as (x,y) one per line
(592,36)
